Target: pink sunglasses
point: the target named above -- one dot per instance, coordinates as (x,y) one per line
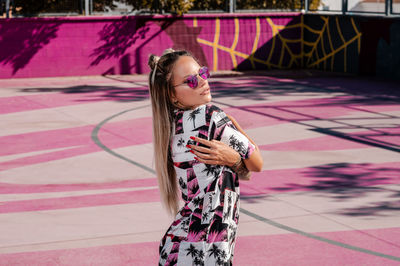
(192,81)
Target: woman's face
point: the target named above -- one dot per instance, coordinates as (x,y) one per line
(189,98)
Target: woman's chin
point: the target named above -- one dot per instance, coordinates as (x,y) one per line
(208,98)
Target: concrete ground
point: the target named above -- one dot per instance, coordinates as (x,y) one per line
(77,185)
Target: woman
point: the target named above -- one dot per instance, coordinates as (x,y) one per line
(201,150)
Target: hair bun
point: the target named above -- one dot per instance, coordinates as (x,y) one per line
(153,59)
(168,50)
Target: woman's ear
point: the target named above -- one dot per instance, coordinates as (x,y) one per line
(173,98)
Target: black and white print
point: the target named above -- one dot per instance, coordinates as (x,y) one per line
(204,229)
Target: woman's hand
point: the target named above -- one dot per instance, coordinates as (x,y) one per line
(255,162)
(217,153)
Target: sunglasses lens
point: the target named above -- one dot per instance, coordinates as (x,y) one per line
(204,73)
(192,81)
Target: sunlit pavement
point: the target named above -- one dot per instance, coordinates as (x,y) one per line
(77,185)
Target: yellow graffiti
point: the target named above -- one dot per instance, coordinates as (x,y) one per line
(215,43)
(313,55)
(302,59)
(234,53)
(255,43)
(235,41)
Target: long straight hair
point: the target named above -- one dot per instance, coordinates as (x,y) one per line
(161,91)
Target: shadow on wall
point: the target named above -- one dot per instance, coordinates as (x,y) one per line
(185,37)
(281,51)
(388,54)
(118,37)
(19,42)
(329,43)
(276,44)
(332,43)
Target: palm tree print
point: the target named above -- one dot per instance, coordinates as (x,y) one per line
(182,183)
(164,255)
(205,216)
(193,189)
(233,141)
(197,201)
(241,147)
(198,261)
(208,218)
(220,261)
(184,225)
(192,116)
(211,169)
(190,142)
(192,250)
(227,214)
(224,255)
(214,250)
(237,144)
(212,210)
(181,142)
(210,199)
(201,254)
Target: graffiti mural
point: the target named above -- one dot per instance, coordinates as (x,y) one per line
(331,43)
(78,46)
(252,43)
(121,45)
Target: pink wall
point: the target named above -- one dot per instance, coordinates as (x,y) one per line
(79,46)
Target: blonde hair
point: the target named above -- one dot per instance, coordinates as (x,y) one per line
(161,90)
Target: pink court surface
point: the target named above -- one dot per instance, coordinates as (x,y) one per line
(77,185)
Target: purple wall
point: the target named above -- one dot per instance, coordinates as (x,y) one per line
(79,46)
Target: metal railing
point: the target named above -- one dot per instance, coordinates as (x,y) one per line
(86,7)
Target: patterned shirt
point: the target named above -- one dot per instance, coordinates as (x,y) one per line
(204,229)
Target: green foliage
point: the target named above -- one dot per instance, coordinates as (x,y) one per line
(155,6)
(274,4)
(209,5)
(33,7)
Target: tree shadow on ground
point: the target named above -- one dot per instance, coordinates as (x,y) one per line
(346,181)
(341,181)
(99,92)
(360,90)
(373,128)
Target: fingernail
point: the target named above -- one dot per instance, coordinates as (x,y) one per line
(192,137)
(192,151)
(196,158)
(187,146)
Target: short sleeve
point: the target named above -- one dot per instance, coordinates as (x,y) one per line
(222,129)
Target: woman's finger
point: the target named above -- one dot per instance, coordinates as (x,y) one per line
(203,141)
(207,161)
(202,155)
(199,148)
